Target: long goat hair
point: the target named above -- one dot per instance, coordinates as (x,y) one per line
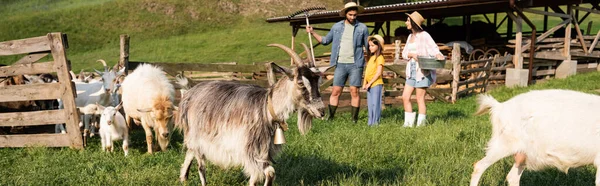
(232,124)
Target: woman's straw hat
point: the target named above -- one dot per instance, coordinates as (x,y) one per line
(378,37)
(359,8)
(417,18)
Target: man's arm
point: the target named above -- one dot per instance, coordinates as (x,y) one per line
(323,40)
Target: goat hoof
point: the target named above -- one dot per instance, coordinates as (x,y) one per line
(182,180)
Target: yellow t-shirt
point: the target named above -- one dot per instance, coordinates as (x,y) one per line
(371,70)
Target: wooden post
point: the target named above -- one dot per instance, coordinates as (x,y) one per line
(589,28)
(567,45)
(580,36)
(270,74)
(455,70)
(517,58)
(66,90)
(124,52)
(545,19)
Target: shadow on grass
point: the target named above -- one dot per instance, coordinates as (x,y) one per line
(314,170)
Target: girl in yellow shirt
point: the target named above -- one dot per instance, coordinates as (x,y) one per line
(373,83)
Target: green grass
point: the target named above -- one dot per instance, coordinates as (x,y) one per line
(333,153)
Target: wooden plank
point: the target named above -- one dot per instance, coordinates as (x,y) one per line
(544,72)
(587,10)
(545,13)
(24,46)
(462,72)
(476,80)
(547,33)
(44,117)
(467,90)
(394,81)
(20,69)
(66,89)
(30,58)
(175,67)
(465,63)
(580,36)
(47,140)
(593,45)
(552,55)
(44,91)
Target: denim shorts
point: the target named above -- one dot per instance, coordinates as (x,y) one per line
(343,70)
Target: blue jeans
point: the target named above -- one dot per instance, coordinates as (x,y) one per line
(343,70)
(374,104)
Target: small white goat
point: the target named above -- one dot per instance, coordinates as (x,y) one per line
(112,128)
(544,128)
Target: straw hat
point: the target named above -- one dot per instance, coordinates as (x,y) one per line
(378,37)
(417,18)
(351,5)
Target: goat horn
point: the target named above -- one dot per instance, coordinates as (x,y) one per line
(73,76)
(103,63)
(309,56)
(290,52)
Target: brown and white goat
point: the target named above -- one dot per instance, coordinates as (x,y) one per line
(233,124)
(148,99)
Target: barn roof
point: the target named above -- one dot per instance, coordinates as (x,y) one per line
(429,9)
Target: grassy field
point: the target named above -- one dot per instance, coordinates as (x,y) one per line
(333,153)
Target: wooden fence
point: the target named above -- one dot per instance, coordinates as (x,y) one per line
(37,48)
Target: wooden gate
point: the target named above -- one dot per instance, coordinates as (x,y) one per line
(38,48)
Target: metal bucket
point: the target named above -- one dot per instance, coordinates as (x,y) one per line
(426,62)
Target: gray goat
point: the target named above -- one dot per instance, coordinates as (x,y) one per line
(233,124)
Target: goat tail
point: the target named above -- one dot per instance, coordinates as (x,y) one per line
(486,103)
(182,81)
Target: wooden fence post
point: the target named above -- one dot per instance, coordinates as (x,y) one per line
(397,51)
(124,52)
(455,70)
(68,98)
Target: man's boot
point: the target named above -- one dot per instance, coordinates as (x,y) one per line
(331,112)
(355,114)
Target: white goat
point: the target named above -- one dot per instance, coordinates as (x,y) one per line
(148,99)
(113,127)
(545,128)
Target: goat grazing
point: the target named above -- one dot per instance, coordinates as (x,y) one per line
(112,128)
(148,99)
(233,124)
(544,128)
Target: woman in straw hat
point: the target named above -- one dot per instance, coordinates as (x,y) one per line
(348,37)
(419,43)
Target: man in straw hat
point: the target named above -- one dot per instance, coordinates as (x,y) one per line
(348,36)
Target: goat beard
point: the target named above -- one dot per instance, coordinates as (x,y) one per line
(304,121)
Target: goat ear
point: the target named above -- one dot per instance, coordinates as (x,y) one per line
(101,73)
(144,110)
(118,107)
(285,71)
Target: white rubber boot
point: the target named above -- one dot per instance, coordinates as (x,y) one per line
(421,120)
(409,119)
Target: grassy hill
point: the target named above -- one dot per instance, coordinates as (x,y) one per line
(161,30)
